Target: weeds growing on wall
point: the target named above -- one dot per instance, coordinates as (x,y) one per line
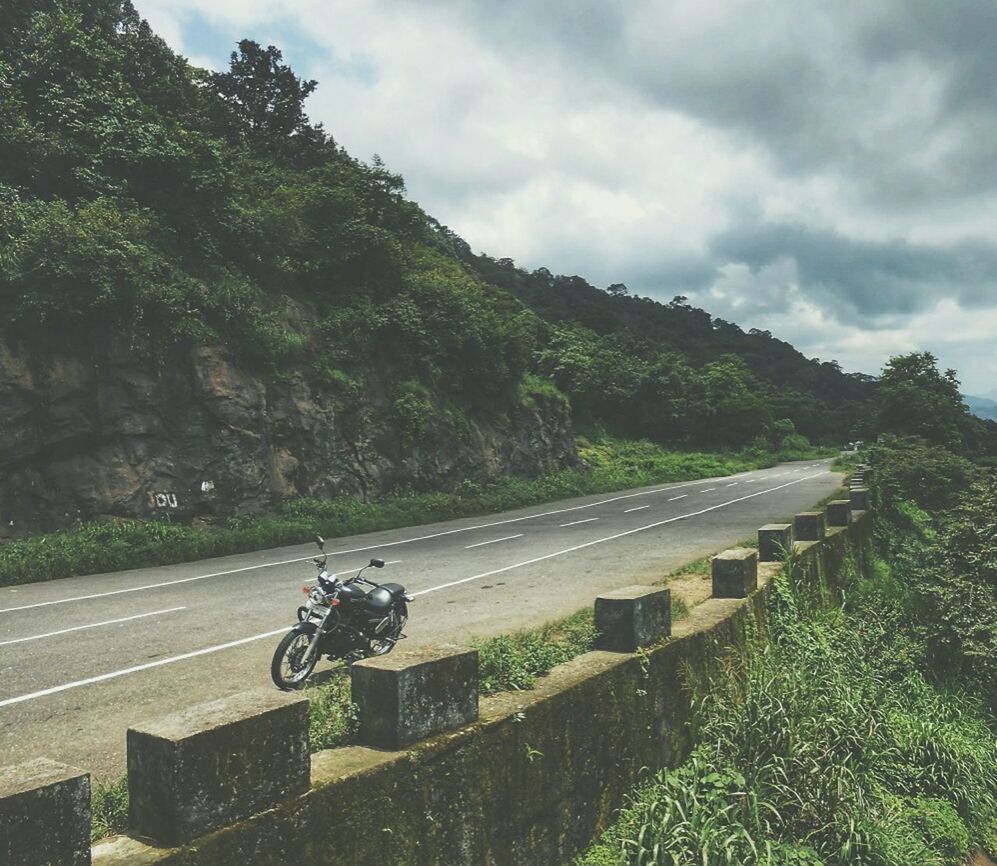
(100,547)
(828,746)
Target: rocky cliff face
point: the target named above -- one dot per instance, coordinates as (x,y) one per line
(109,432)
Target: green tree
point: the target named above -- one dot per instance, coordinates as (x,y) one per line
(916,399)
(732,411)
(265,93)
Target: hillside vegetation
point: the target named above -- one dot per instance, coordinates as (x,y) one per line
(144,197)
(867,733)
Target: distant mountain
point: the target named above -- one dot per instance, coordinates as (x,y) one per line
(981,407)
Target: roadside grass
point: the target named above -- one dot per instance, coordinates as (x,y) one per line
(109,809)
(612,464)
(512,662)
(827,747)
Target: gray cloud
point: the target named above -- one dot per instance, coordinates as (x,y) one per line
(861,279)
(821,170)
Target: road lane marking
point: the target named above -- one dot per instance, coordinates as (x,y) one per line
(143,667)
(617,535)
(733,484)
(494,541)
(91,625)
(637,508)
(164,583)
(241,641)
(576,522)
(677,498)
(708,489)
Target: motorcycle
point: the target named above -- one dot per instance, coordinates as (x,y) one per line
(340,620)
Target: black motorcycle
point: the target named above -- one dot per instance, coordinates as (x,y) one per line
(340,620)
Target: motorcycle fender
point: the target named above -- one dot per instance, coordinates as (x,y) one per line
(305,628)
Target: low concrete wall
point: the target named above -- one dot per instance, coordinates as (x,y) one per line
(531,782)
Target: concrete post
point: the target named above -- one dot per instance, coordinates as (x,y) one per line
(632,617)
(839,512)
(408,696)
(809,526)
(774,539)
(216,763)
(735,573)
(860,498)
(44,815)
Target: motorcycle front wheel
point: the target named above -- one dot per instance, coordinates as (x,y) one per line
(288,669)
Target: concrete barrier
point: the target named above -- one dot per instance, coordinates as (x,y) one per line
(735,573)
(632,617)
(216,763)
(861,498)
(809,526)
(839,512)
(44,815)
(774,539)
(408,696)
(534,779)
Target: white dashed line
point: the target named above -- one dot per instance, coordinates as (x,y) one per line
(708,489)
(638,508)
(732,484)
(91,625)
(576,522)
(147,666)
(493,541)
(677,498)
(595,541)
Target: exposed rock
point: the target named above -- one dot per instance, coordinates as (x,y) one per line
(116,432)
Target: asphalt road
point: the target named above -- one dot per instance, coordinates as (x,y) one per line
(82,659)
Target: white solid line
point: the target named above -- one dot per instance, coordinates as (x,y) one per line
(627,532)
(92,625)
(351,550)
(708,489)
(213,649)
(493,541)
(576,522)
(441,534)
(677,498)
(637,508)
(351,570)
(143,667)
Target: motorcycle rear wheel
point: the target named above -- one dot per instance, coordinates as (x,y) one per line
(286,669)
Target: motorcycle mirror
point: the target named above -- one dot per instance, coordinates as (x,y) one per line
(377,563)
(320,541)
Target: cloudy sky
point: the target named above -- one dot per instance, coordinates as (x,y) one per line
(826,171)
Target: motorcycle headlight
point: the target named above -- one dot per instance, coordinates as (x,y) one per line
(316,596)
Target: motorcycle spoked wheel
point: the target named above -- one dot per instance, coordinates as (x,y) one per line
(287,669)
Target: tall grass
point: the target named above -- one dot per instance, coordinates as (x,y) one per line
(820,749)
(613,464)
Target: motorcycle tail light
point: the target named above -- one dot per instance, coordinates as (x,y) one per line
(334,602)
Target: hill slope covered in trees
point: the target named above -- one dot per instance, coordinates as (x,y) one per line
(209,307)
